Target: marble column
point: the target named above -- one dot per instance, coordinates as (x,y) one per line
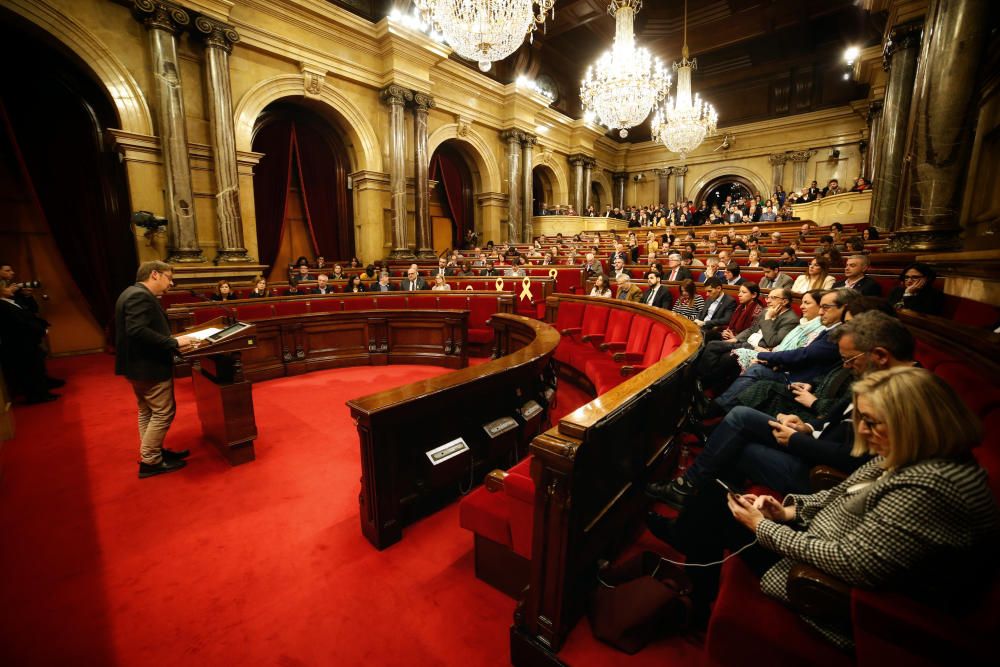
(680,191)
(900,60)
(163,22)
(620,179)
(527,190)
(777,161)
(577,160)
(513,138)
(588,176)
(800,162)
(424,233)
(870,147)
(396,98)
(663,185)
(940,142)
(219,39)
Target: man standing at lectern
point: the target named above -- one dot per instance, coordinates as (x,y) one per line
(144,354)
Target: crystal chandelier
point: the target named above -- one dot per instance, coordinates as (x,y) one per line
(485,30)
(682,124)
(622,87)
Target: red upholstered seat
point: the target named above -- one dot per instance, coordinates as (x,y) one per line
(486,514)
(481,309)
(257,311)
(353,302)
(326,304)
(519,490)
(422,301)
(595,320)
(453,302)
(569,316)
(291,308)
(202,315)
(393,302)
(174,298)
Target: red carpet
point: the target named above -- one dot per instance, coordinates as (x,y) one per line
(262,564)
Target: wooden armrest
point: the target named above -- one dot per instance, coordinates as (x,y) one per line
(825,477)
(627,357)
(612,346)
(494,480)
(819,595)
(571,330)
(589,338)
(626,371)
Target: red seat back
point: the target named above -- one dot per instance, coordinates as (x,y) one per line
(291,308)
(257,311)
(654,346)
(638,335)
(325,304)
(202,315)
(595,319)
(393,302)
(619,322)
(570,315)
(481,309)
(422,302)
(353,302)
(453,302)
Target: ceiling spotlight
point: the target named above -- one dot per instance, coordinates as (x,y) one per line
(851,54)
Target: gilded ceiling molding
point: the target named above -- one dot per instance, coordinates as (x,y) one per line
(365,156)
(122,89)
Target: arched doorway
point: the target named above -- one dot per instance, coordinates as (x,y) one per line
(303,205)
(66,222)
(598,196)
(543,189)
(716,190)
(451,199)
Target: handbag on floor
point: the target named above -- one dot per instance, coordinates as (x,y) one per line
(638,600)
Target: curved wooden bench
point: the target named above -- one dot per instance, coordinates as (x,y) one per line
(399,426)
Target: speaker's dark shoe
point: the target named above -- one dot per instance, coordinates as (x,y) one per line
(171,455)
(54,383)
(163,467)
(43,398)
(674,493)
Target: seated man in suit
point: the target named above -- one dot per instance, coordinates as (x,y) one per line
(413,281)
(592,268)
(323,285)
(619,252)
(856,278)
(657,295)
(773,277)
(779,451)
(383,284)
(491,269)
(803,364)
(676,271)
(618,268)
(788,258)
(718,308)
(626,290)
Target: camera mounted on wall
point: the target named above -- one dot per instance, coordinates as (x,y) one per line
(153,224)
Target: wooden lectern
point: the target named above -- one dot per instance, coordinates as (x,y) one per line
(225,401)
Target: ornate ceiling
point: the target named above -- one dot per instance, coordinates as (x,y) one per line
(756,58)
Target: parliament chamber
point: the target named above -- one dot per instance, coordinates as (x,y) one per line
(456,312)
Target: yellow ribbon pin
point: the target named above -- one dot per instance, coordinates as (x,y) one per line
(468,288)
(553,273)
(526,288)
(499,284)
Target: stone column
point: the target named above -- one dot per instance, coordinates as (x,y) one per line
(679,188)
(663,185)
(777,161)
(396,98)
(870,148)
(620,179)
(513,138)
(900,60)
(576,197)
(588,175)
(940,143)
(425,236)
(219,39)
(800,160)
(163,21)
(527,148)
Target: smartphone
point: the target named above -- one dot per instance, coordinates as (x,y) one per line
(726,487)
(788,381)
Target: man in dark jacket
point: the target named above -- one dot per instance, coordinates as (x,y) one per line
(719,306)
(856,277)
(144,354)
(21,353)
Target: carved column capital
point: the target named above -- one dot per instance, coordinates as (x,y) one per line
(777,159)
(395,95)
(512,136)
(800,156)
(528,139)
(577,159)
(620,176)
(901,37)
(158,15)
(591,162)
(680,171)
(423,102)
(215,34)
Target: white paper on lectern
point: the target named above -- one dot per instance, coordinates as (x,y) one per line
(204,333)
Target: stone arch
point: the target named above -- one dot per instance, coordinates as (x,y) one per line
(471,144)
(547,178)
(736,173)
(600,177)
(559,174)
(119,84)
(363,143)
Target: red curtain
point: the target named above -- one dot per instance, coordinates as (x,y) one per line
(449,173)
(270,186)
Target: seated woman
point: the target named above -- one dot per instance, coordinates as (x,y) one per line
(861,185)
(356,263)
(920,502)
(601,287)
(753,259)
(260,289)
(916,290)
(440,284)
(370,273)
(689,303)
(355,285)
(223,292)
(809,327)
(817,276)
(465,271)
(338,273)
